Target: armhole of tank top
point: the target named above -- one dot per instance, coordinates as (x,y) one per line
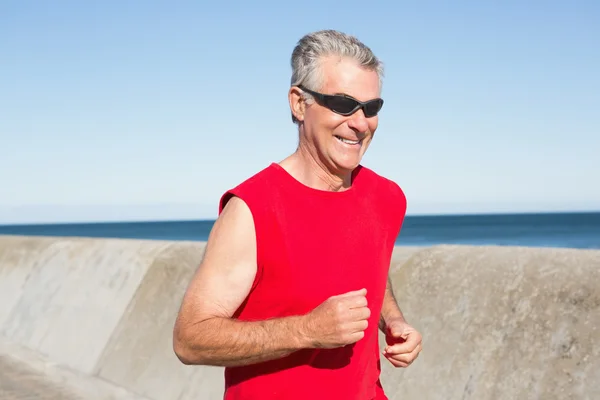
(398,206)
(224,199)
(401,202)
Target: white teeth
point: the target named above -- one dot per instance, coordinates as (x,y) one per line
(348,141)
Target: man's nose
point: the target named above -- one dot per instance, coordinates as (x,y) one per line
(358,121)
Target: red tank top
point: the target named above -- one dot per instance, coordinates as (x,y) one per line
(313,244)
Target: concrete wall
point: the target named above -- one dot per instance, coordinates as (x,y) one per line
(501,323)
(497,322)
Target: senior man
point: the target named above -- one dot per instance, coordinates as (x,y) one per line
(293,285)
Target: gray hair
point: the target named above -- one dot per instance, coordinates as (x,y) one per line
(310,50)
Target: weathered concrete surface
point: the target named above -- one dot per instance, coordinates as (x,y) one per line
(501,323)
(94,317)
(69,300)
(64,298)
(139,355)
(27,375)
(401,254)
(18,382)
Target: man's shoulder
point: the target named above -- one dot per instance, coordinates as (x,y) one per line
(380,182)
(388,195)
(251,188)
(262,177)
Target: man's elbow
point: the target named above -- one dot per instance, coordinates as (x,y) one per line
(187,354)
(182,354)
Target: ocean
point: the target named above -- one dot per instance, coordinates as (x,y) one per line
(570,230)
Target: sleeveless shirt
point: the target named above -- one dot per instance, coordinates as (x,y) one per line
(313,244)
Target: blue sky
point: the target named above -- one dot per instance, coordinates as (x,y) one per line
(129,110)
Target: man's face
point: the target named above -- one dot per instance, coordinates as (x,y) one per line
(326,130)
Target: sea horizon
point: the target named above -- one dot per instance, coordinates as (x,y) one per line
(573,229)
(417,215)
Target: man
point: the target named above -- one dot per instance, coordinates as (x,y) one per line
(294,281)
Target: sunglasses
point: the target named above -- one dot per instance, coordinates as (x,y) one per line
(346,105)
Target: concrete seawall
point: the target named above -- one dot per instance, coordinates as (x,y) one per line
(501,323)
(498,323)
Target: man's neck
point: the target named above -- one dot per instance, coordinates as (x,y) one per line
(311,172)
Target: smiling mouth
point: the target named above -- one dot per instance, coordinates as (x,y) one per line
(347,141)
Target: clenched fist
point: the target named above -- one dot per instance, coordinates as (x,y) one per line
(404,343)
(338,321)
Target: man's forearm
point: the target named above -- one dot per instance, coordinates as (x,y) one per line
(228,342)
(389,309)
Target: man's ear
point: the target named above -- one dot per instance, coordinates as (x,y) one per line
(297,103)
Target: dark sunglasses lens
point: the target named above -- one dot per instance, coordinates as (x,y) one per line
(342,105)
(373,107)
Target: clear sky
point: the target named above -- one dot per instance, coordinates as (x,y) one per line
(129,110)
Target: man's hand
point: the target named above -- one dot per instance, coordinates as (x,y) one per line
(404,343)
(338,321)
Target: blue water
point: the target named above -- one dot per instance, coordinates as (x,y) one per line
(575,230)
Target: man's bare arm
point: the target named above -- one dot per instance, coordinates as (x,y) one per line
(390,309)
(403,341)
(204,332)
